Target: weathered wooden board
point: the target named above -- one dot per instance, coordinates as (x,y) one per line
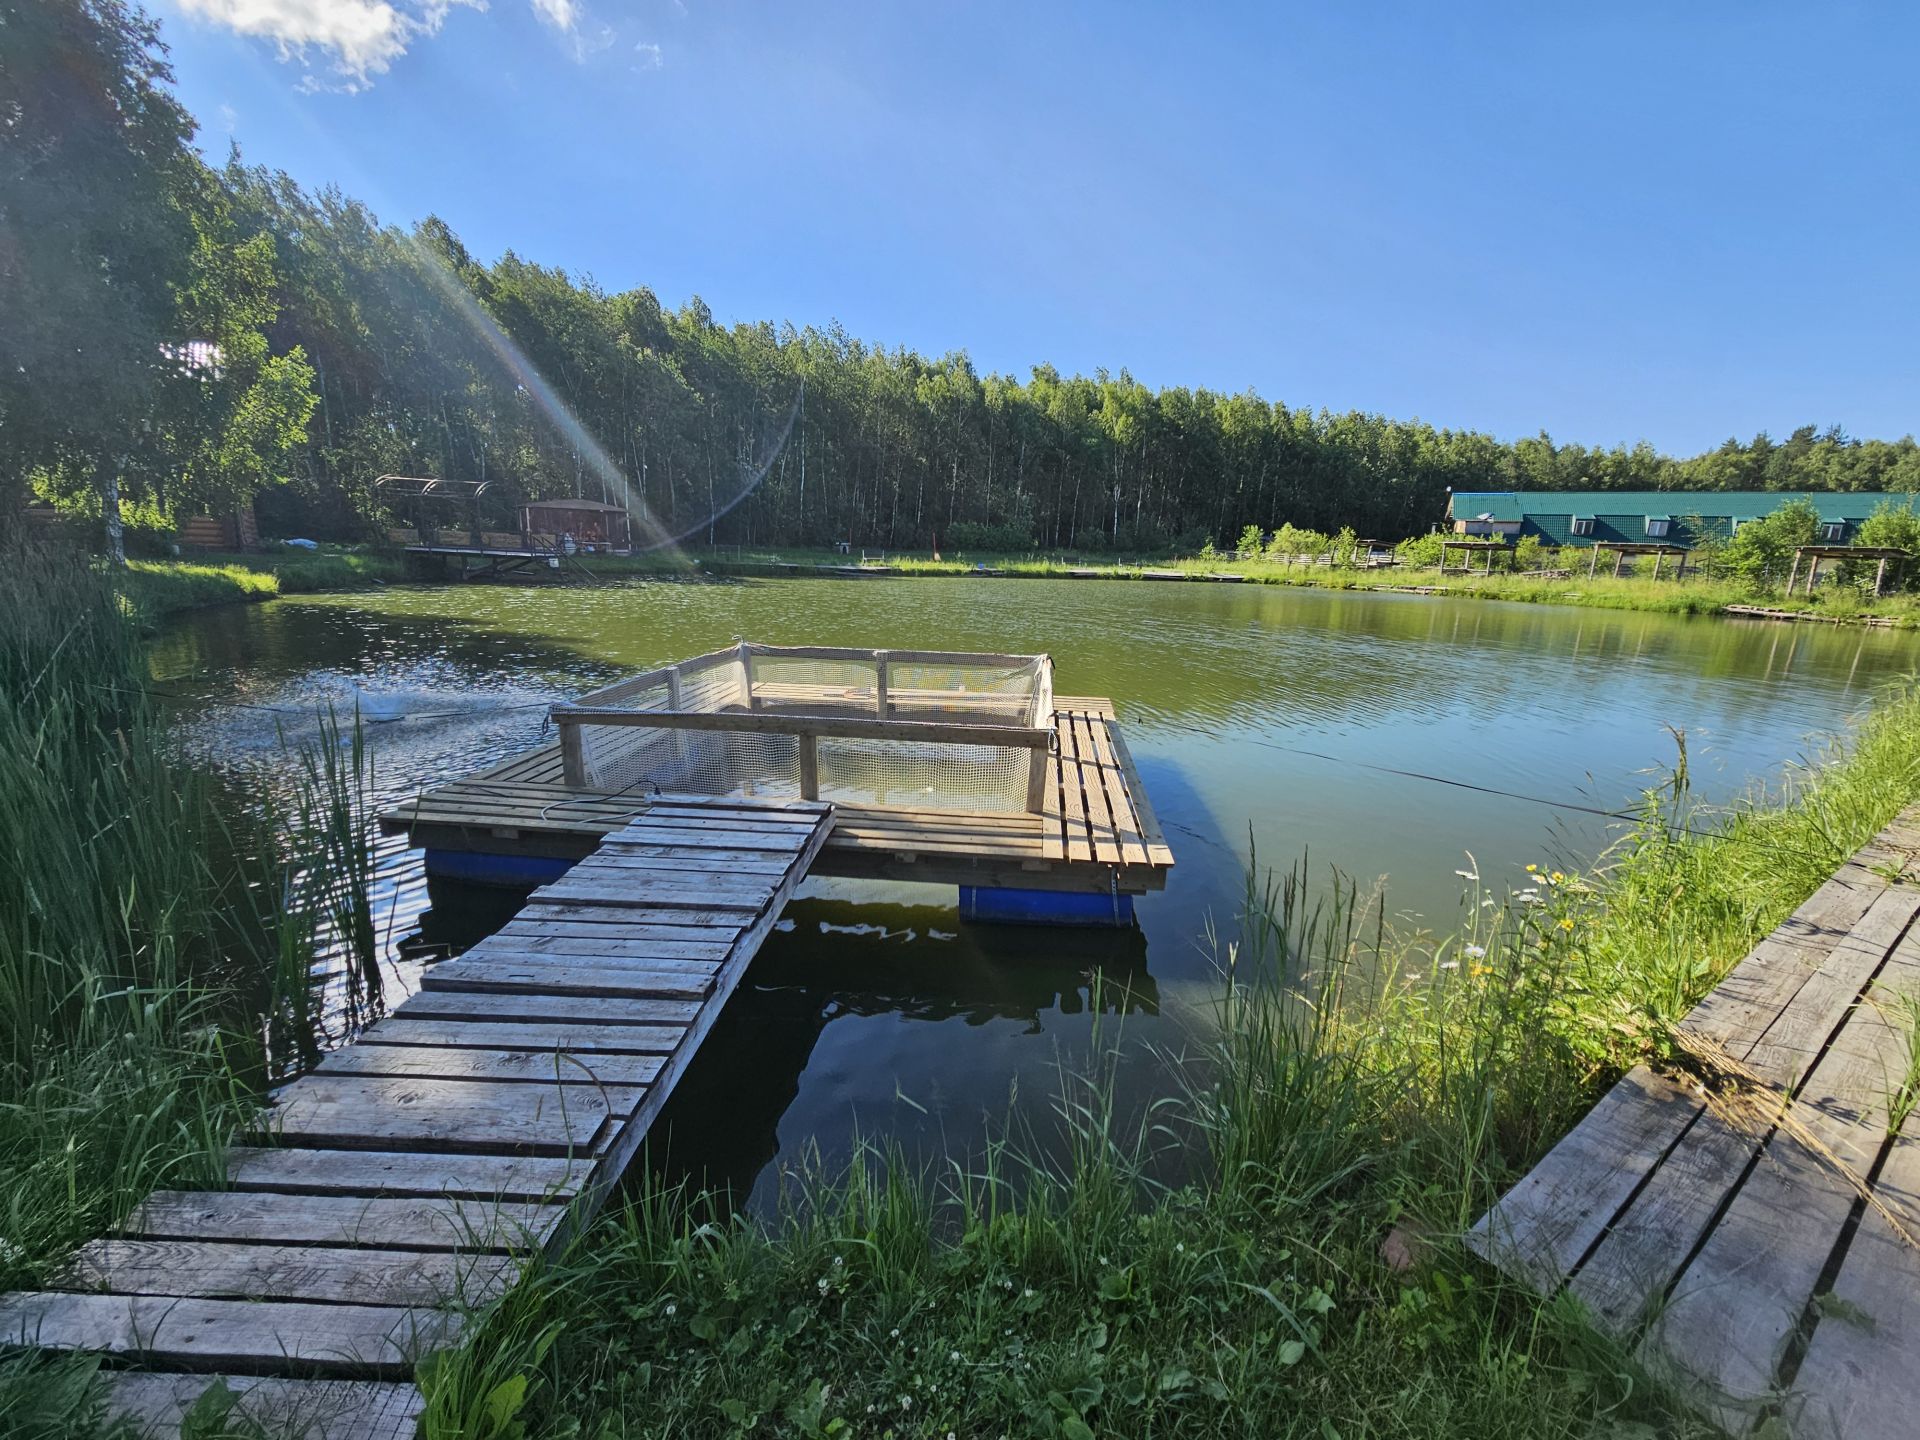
(352,1112)
(595,1039)
(380,1342)
(635,980)
(450,1005)
(154,1405)
(639,954)
(441,1223)
(374,1173)
(221,1269)
(1546,1224)
(446,1062)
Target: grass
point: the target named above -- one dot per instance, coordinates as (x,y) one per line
(158,934)
(158,588)
(1216,1265)
(1694,595)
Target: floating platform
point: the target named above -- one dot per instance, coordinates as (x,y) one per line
(1760,1249)
(402,1185)
(1095,832)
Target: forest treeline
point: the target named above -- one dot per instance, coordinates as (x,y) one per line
(339,349)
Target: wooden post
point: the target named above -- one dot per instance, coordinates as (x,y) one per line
(1658,556)
(1039,765)
(573,760)
(1813,573)
(746,673)
(1619,559)
(1793,574)
(882,706)
(681,742)
(1593,564)
(809,767)
(1879,577)
(1489,562)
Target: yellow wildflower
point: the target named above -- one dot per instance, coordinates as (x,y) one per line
(1566,922)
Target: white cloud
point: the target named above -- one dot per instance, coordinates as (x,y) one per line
(360,39)
(647,56)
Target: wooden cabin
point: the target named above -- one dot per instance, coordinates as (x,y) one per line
(593,524)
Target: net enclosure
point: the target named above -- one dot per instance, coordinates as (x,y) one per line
(909,729)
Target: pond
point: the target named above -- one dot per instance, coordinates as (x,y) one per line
(1384,736)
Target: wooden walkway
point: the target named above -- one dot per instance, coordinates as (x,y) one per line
(1763,1252)
(1096,833)
(400,1183)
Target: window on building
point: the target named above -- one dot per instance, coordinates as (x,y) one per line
(1657,526)
(1835,530)
(1583,524)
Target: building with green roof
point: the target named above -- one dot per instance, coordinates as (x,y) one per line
(1679,518)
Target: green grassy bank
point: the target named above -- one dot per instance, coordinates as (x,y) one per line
(1694,595)
(1366,1095)
(158,588)
(158,941)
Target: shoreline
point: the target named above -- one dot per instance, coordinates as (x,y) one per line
(159,589)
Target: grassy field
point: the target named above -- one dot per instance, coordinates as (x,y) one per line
(1694,595)
(158,588)
(1365,1097)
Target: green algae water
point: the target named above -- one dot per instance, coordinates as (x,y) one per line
(1390,738)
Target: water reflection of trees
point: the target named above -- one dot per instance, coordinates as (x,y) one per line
(721,1127)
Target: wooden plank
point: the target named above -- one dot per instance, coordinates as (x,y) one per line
(1544,1225)
(435,1223)
(529,942)
(1739,1302)
(631,917)
(509,978)
(546,1009)
(154,1406)
(1113,783)
(373,1340)
(677,880)
(618,855)
(1100,818)
(220,1269)
(403,1172)
(621,1145)
(447,1062)
(538,921)
(595,1039)
(351,1112)
(676,896)
(1158,852)
(609,955)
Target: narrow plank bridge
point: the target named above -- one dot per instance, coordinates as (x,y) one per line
(1759,1243)
(404,1182)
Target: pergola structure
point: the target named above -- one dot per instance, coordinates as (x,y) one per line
(430,487)
(1470,547)
(1814,554)
(1623,548)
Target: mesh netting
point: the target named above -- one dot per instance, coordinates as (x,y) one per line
(910,773)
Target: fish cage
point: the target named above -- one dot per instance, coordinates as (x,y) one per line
(906,729)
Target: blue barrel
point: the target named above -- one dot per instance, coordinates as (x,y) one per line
(989,905)
(476,867)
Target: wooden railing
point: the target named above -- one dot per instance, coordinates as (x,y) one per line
(604,707)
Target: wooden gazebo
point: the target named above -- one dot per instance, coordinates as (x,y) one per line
(592,524)
(1623,548)
(1814,554)
(1471,548)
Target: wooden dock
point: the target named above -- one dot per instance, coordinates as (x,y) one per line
(1762,1250)
(403,1182)
(1095,832)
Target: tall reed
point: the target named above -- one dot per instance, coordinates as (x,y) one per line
(152,938)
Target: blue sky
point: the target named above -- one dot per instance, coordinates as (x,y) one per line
(1610,221)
